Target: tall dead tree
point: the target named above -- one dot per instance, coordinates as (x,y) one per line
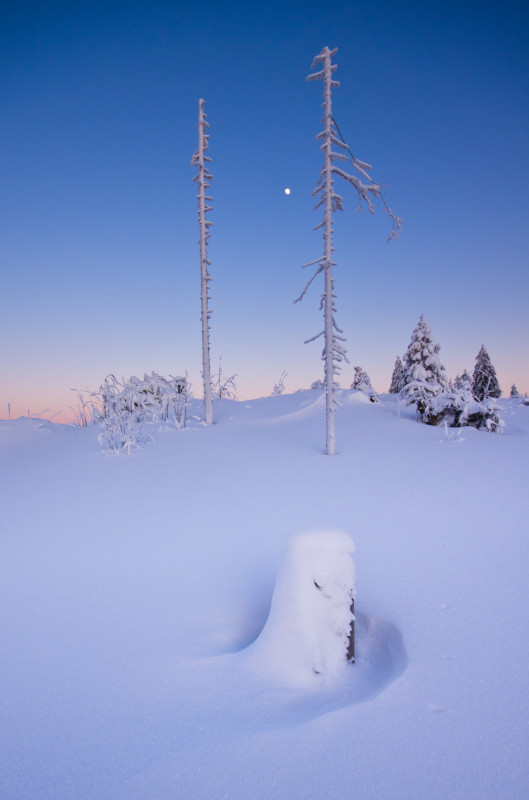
(203,178)
(333,351)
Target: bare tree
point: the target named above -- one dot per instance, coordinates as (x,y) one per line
(334,352)
(203,178)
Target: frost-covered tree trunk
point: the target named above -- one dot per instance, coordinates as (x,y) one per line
(203,178)
(333,350)
(328,297)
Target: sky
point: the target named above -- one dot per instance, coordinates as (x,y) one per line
(98,222)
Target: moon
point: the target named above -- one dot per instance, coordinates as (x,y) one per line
(287,190)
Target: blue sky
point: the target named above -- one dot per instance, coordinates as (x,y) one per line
(98,228)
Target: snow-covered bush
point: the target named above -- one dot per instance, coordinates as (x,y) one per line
(458,408)
(128,410)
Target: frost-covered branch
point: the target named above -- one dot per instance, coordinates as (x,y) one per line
(370,187)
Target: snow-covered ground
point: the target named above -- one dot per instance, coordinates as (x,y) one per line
(133,589)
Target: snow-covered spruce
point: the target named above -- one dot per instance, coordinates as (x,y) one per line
(424,375)
(361,382)
(484,382)
(397,378)
(130,411)
(460,380)
(515,395)
(203,178)
(334,352)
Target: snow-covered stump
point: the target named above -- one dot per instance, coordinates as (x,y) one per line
(310,628)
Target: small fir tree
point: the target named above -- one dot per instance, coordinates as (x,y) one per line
(424,375)
(484,381)
(279,387)
(361,382)
(397,379)
(514,391)
(462,380)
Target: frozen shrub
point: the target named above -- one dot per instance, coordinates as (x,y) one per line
(222,387)
(279,387)
(129,410)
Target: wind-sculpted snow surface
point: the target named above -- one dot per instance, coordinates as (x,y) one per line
(136,661)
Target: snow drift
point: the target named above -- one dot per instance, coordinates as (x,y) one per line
(307,632)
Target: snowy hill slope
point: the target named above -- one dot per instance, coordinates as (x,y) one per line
(132,589)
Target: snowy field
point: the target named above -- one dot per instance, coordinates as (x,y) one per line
(133,589)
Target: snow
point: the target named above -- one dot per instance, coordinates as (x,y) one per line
(306,635)
(141,657)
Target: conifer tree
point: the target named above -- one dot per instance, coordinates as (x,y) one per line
(484,381)
(462,380)
(425,376)
(514,391)
(362,383)
(397,378)
(333,351)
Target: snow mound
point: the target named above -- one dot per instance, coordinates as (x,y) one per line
(307,631)
(357,396)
